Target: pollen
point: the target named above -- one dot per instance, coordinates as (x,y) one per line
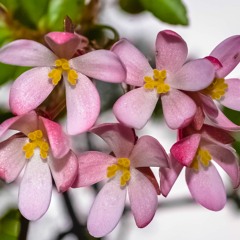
(36,140)
(157,81)
(216,89)
(61,66)
(123,165)
(203,157)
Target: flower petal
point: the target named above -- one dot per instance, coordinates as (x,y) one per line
(24,123)
(92,168)
(27,53)
(228,53)
(171,51)
(83,105)
(168,176)
(178,109)
(223,122)
(143,198)
(59,142)
(217,135)
(120,138)
(148,152)
(208,106)
(100,64)
(29,90)
(185,149)
(12,158)
(206,187)
(138,102)
(228,160)
(136,63)
(64,171)
(193,76)
(231,98)
(107,209)
(35,188)
(63,44)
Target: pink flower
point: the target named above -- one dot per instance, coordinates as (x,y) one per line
(225,57)
(42,151)
(128,169)
(167,81)
(195,150)
(33,86)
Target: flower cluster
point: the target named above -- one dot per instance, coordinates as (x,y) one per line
(191,93)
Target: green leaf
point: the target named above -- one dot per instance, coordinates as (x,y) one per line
(9,225)
(34,9)
(232,115)
(11,5)
(169,11)
(9,72)
(59,9)
(131,6)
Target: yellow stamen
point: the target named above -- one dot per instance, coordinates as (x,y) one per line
(62,65)
(202,156)
(157,81)
(36,140)
(123,165)
(216,89)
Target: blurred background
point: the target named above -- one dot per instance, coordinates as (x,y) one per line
(205,24)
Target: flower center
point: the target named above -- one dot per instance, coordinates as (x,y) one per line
(123,165)
(62,65)
(217,88)
(202,156)
(157,81)
(36,140)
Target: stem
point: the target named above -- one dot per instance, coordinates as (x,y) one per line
(24,224)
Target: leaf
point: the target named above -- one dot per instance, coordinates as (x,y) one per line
(169,11)
(9,225)
(9,72)
(59,9)
(34,9)
(131,6)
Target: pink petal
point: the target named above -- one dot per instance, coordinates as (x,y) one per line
(12,158)
(120,138)
(185,149)
(147,172)
(171,51)
(206,187)
(83,105)
(35,188)
(223,122)
(228,160)
(100,64)
(64,171)
(228,53)
(138,102)
(30,90)
(208,105)
(136,63)
(231,98)
(168,176)
(193,76)
(24,123)
(148,152)
(63,44)
(107,209)
(178,109)
(59,142)
(27,53)
(92,168)
(143,198)
(217,134)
